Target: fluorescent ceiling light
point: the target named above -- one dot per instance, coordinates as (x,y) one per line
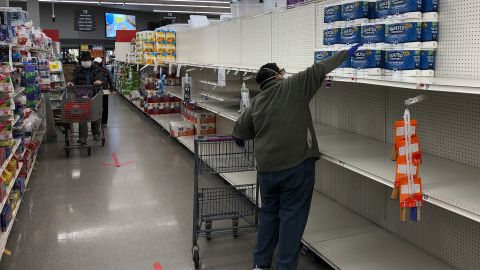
(196,1)
(70,1)
(144,4)
(192,6)
(190,12)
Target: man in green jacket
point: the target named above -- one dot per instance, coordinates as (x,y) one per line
(280,121)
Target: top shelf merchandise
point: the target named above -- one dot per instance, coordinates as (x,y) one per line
(157,46)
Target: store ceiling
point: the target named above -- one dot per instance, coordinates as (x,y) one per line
(207,7)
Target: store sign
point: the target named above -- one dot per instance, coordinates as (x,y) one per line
(84,20)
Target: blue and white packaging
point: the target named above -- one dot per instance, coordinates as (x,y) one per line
(430,5)
(428,62)
(382,9)
(398,7)
(430,27)
(355,9)
(403,31)
(332,13)
(373,33)
(331,36)
(322,54)
(368,60)
(401,60)
(351,34)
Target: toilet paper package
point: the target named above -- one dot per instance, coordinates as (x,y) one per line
(430,27)
(323,54)
(405,62)
(382,9)
(373,33)
(403,31)
(428,62)
(430,5)
(405,6)
(351,34)
(368,59)
(355,9)
(332,13)
(331,36)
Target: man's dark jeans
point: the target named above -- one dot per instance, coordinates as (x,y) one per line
(286,198)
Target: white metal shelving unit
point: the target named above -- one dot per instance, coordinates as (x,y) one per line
(330,224)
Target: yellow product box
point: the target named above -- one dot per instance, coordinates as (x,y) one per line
(149,36)
(150,58)
(171,57)
(7,177)
(160,35)
(161,47)
(171,36)
(149,47)
(171,48)
(161,57)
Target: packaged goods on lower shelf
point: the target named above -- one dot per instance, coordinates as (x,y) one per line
(6,216)
(205,128)
(181,128)
(204,121)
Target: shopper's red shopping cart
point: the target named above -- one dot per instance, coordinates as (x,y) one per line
(81,104)
(215,207)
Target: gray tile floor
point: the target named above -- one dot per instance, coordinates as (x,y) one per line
(80,214)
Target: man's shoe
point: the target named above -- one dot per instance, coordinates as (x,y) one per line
(82,141)
(96,137)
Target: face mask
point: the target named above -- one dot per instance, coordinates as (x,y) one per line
(86,64)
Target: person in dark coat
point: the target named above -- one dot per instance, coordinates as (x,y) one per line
(108,85)
(87,74)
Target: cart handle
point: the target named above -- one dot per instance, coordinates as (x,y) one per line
(216,138)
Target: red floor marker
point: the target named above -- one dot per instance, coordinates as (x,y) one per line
(117,163)
(157,266)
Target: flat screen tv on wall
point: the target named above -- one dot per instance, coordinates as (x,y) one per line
(115,21)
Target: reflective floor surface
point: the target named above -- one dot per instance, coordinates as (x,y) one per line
(81,214)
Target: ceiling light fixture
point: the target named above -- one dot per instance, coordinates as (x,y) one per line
(192,12)
(220,3)
(192,6)
(199,1)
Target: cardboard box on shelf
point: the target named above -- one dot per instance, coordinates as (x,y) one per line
(205,128)
(181,128)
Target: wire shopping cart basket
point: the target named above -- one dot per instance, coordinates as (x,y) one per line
(220,154)
(81,104)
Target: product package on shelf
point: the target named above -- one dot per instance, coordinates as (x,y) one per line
(408,183)
(203,121)
(181,128)
(400,37)
(157,46)
(44,82)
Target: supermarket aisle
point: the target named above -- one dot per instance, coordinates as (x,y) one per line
(80,214)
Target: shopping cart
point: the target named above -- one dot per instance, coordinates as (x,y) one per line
(81,104)
(220,154)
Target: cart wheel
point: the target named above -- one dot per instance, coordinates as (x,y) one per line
(196,257)
(235,225)
(208,226)
(89,151)
(67,152)
(103,141)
